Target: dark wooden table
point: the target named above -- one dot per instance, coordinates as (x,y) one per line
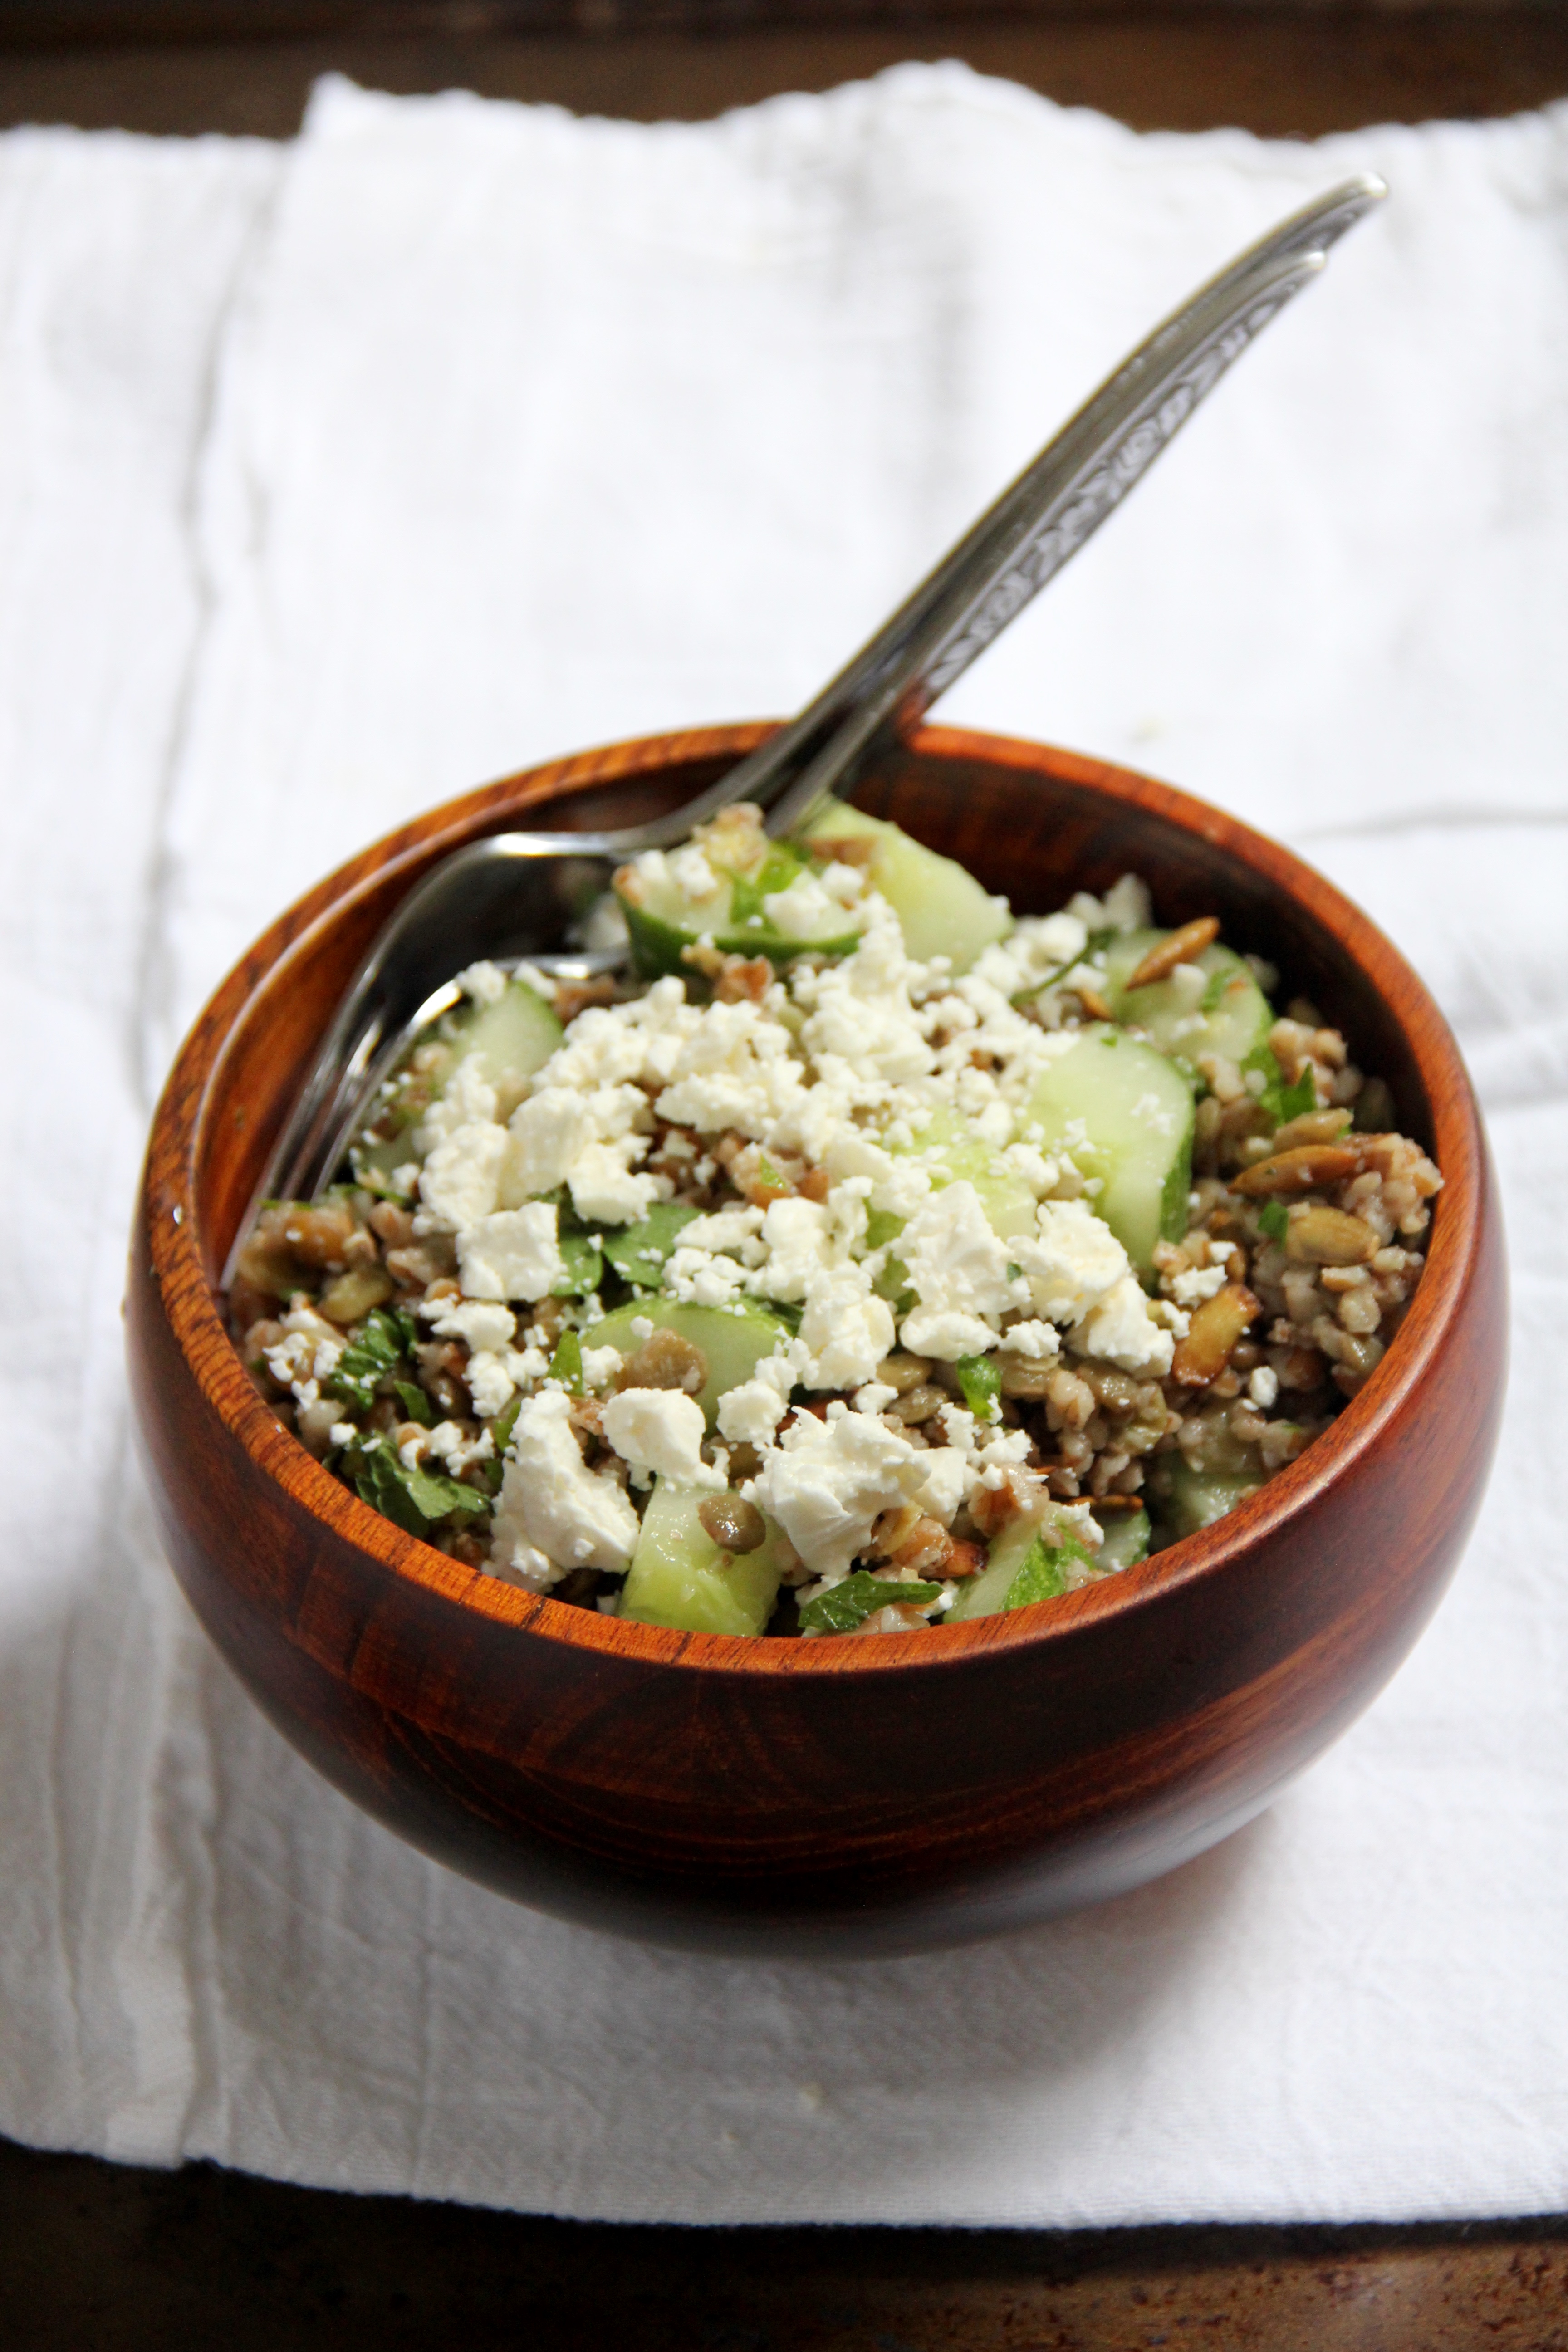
(125,2259)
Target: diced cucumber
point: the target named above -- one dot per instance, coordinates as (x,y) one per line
(1126,1540)
(1035,1560)
(1125,1115)
(1230,1016)
(1198,1497)
(731,1345)
(960,1154)
(941,906)
(664,922)
(508,1040)
(681,1578)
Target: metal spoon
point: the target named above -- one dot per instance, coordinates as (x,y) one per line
(520,894)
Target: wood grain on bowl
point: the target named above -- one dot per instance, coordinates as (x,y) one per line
(854,1795)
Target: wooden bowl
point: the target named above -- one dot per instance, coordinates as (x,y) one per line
(848,1797)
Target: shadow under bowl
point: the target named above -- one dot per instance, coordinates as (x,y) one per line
(836,1796)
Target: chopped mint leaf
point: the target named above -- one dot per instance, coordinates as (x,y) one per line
(1218,983)
(415,1500)
(1043,1575)
(582,1266)
(844,1606)
(1014,1271)
(501,1431)
(1281,1101)
(1096,944)
(1297,1100)
(415,1404)
(1275,1219)
(638,1252)
(981,1382)
(893,1282)
(381,1341)
(566,1363)
(776,872)
(881,1227)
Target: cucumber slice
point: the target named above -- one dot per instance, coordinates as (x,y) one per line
(1199,1497)
(1125,1113)
(1126,1542)
(679,1576)
(1231,1016)
(1008,1203)
(941,908)
(508,1040)
(664,922)
(733,1345)
(1021,1568)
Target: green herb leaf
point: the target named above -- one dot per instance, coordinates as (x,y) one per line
(583,1264)
(776,872)
(1275,1219)
(638,1252)
(381,1341)
(1295,1101)
(1043,1575)
(881,1227)
(415,1404)
(1096,943)
(980,1381)
(844,1606)
(415,1500)
(501,1431)
(1213,993)
(1281,1101)
(566,1363)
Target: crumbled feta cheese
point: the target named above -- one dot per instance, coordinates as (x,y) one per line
(600,1366)
(1198,1283)
(483,1324)
(1263,1386)
(552,1505)
(448,1445)
(958,1272)
(845,1329)
(484,982)
(692,875)
(803,911)
(800,1245)
(826,1483)
(460,1181)
(1036,1341)
(511,1254)
(1071,1264)
(661,1431)
(1120,1329)
(489,1382)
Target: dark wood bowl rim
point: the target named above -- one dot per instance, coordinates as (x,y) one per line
(181,1263)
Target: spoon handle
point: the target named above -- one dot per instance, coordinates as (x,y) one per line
(1038,523)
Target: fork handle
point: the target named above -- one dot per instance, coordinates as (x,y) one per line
(1036,524)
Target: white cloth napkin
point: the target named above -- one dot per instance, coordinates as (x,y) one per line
(338,478)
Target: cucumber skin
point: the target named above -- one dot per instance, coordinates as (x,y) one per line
(680,1578)
(941,908)
(1136,1218)
(658,946)
(733,1344)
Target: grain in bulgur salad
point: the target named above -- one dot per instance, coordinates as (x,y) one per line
(872,1259)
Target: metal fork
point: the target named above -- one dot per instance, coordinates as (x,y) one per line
(519,894)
